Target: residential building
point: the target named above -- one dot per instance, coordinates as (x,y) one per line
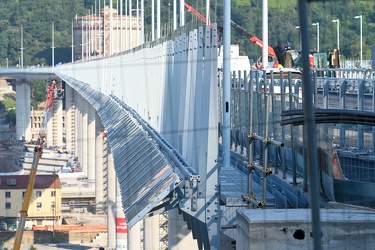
(36,122)
(45,203)
(92,36)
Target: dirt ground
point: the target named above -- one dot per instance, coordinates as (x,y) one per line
(10,155)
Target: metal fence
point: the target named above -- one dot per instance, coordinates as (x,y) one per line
(339,89)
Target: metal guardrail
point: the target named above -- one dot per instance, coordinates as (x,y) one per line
(345,89)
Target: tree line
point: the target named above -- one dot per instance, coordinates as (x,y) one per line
(36,18)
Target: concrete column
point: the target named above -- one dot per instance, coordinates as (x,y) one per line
(151,233)
(23,130)
(121,226)
(111,201)
(99,147)
(179,237)
(134,236)
(91,142)
(49,129)
(48,120)
(69,119)
(57,123)
(84,138)
(78,125)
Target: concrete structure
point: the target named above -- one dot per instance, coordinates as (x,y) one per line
(162,142)
(292,229)
(23,111)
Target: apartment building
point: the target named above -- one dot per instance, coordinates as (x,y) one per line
(100,35)
(45,204)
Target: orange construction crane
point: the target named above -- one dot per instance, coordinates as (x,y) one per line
(274,57)
(196,13)
(271,52)
(38,151)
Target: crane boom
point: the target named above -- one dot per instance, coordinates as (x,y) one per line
(196,13)
(252,38)
(38,151)
(26,201)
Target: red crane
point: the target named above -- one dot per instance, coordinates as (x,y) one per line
(275,57)
(252,38)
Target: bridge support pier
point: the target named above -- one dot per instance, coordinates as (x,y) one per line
(55,123)
(134,236)
(179,236)
(23,130)
(111,201)
(151,233)
(91,142)
(121,226)
(84,125)
(78,125)
(99,164)
(69,119)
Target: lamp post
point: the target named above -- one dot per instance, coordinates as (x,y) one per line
(317,35)
(73,42)
(300,44)
(7,62)
(53,44)
(360,23)
(338,32)
(21,61)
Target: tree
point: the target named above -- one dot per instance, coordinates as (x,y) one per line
(11,117)
(38,92)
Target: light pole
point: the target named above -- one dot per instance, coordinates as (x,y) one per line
(338,32)
(317,35)
(53,44)
(300,43)
(21,61)
(73,42)
(7,62)
(360,23)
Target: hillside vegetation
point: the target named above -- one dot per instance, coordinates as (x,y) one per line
(37,17)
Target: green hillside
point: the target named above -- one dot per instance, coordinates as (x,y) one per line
(37,18)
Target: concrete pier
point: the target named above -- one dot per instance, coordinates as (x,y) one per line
(70,119)
(111,202)
(23,110)
(291,229)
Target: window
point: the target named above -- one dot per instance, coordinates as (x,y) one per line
(38,193)
(38,205)
(7,194)
(52,204)
(53,193)
(8,205)
(11,182)
(23,194)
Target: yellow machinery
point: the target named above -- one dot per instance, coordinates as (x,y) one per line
(38,151)
(26,202)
